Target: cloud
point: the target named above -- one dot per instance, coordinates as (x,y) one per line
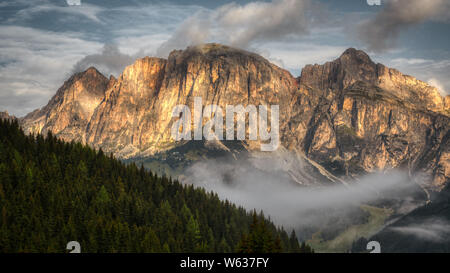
(242,25)
(193,31)
(434,230)
(436,83)
(85,10)
(288,32)
(264,184)
(34,63)
(36,56)
(435,72)
(381,32)
(109,61)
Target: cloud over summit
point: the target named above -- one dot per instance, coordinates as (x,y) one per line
(109,61)
(241,25)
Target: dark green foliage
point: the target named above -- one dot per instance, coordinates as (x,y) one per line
(264,239)
(52,192)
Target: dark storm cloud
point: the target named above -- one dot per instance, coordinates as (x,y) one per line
(381,32)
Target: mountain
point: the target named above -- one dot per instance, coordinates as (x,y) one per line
(68,113)
(370,117)
(341,119)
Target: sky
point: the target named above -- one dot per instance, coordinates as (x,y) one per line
(43,42)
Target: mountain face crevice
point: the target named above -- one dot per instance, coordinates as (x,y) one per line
(351,115)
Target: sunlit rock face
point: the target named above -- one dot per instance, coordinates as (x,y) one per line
(350,115)
(355,65)
(447,105)
(68,113)
(136,115)
(125,122)
(371,118)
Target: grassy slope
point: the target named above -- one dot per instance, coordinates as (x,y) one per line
(343,242)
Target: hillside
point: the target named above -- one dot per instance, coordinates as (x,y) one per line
(53,192)
(425,229)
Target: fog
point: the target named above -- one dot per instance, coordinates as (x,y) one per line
(264,184)
(433,229)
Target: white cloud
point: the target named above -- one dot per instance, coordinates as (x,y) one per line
(111,61)
(434,230)
(410,61)
(34,63)
(435,72)
(242,25)
(85,10)
(436,83)
(263,184)
(289,33)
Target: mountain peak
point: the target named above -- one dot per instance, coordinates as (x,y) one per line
(213,51)
(71,107)
(352,66)
(214,48)
(349,114)
(92,70)
(354,56)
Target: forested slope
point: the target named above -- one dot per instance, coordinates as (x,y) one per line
(53,192)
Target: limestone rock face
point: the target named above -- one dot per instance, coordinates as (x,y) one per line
(68,113)
(447,105)
(371,118)
(351,116)
(136,115)
(124,122)
(355,65)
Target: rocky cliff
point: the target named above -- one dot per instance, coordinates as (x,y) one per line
(369,117)
(68,113)
(5,115)
(350,116)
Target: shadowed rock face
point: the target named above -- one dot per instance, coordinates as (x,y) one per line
(351,115)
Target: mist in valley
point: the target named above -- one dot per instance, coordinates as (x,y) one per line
(264,184)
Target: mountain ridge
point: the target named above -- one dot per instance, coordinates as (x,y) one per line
(351,116)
